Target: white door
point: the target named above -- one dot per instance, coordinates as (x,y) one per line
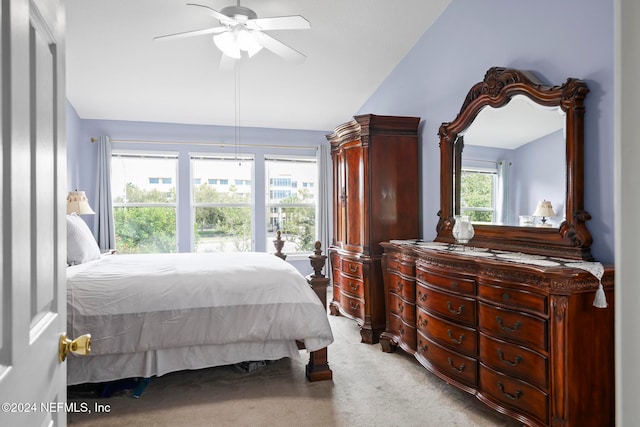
(33,193)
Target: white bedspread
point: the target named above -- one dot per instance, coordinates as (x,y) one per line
(139,303)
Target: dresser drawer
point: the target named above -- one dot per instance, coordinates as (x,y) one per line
(402,286)
(394,264)
(513,326)
(514,298)
(514,360)
(405,332)
(515,394)
(402,308)
(450,306)
(449,283)
(335,272)
(352,268)
(353,307)
(455,366)
(351,286)
(456,337)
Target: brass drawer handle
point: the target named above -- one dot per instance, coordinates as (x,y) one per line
(399,286)
(453,340)
(515,362)
(353,269)
(354,287)
(458,311)
(422,348)
(516,325)
(460,369)
(422,322)
(400,307)
(422,296)
(354,306)
(454,285)
(514,396)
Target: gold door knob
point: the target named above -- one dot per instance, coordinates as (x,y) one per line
(81,346)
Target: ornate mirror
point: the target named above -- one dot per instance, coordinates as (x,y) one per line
(523,141)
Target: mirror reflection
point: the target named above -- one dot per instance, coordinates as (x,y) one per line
(546,167)
(513,158)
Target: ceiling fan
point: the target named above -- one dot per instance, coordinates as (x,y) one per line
(241,30)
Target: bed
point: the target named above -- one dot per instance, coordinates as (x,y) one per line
(149,315)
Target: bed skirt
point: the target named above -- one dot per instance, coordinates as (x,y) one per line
(111,367)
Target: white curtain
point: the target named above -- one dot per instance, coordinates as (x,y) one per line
(323,225)
(103,226)
(502,199)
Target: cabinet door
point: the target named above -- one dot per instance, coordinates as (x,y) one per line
(339,195)
(352,198)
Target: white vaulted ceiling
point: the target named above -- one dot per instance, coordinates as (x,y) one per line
(116,71)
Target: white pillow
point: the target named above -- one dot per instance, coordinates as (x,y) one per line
(81,245)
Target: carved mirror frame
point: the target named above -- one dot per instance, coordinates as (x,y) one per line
(572,238)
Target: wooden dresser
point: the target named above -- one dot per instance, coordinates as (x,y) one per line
(523,338)
(375,198)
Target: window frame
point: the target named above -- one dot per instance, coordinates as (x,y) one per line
(193,205)
(494,193)
(153,154)
(312,159)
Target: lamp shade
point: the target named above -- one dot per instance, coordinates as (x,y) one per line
(544,209)
(77,203)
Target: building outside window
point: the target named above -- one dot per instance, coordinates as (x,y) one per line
(291,202)
(222,203)
(144,200)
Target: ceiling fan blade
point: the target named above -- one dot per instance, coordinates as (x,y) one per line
(219,16)
(294,22)
(280,48)
(213,30)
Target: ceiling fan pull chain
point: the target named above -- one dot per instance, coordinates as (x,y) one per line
(237,112)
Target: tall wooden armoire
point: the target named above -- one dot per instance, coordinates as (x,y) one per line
(375,199)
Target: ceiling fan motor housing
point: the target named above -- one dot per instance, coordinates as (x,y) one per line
(235,12)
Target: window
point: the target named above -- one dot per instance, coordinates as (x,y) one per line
(156,180)
(144,202)
(221,212)
(478,195)
(290,204)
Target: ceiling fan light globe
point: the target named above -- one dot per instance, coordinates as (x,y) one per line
(248,42)
(227,43)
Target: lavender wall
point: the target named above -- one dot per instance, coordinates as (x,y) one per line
(73,166)
(555,40)
(536,176)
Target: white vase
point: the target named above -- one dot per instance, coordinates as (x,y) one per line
(462,229)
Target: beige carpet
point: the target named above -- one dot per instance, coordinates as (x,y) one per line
(369,388)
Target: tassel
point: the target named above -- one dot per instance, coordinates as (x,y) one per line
(601,300)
